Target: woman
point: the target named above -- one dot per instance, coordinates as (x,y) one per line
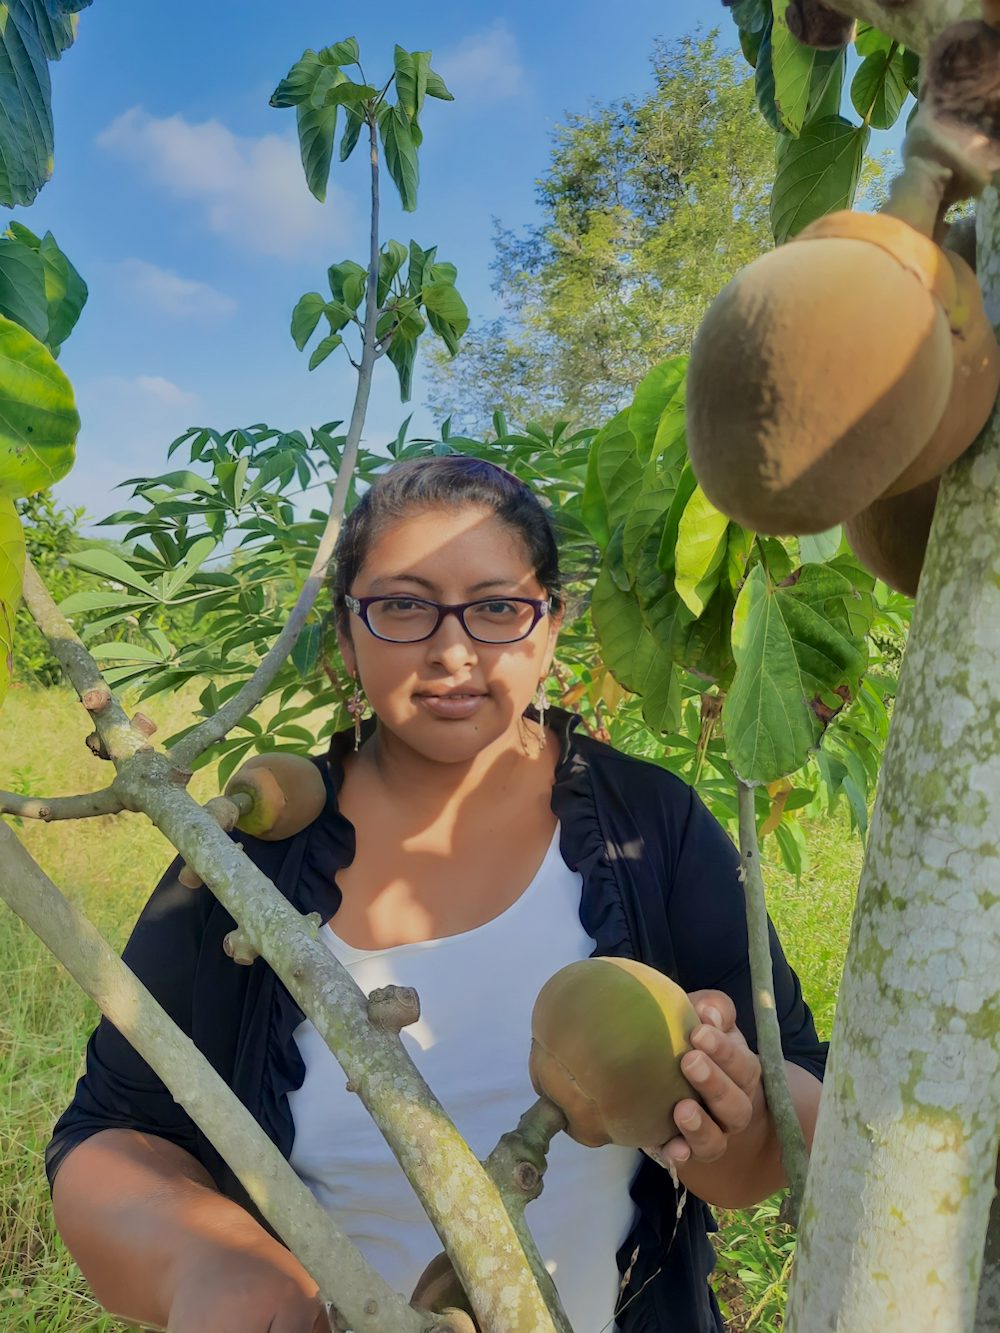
(470,846)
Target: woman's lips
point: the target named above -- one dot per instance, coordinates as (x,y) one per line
(454,706)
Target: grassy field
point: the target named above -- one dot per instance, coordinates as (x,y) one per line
(107,867)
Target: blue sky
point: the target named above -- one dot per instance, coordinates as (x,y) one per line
(178,194)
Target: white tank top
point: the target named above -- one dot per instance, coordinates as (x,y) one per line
(476,993)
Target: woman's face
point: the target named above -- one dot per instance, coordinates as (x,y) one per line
(449,556)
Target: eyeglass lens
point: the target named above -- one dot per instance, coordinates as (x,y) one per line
(404,620)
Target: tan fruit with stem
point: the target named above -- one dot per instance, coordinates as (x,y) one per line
(286,793)
(820,373)
(890,536)
(608,1035)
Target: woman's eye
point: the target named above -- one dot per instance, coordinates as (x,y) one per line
(401,606)
(498,608)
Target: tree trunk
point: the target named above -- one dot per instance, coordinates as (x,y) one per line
(902,1175)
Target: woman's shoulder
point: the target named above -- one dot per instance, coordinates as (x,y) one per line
(641,781)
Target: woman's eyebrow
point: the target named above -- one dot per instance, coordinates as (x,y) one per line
(432,587)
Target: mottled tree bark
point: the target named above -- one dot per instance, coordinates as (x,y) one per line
(902,1176)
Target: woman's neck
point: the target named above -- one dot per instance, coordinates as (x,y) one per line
(426,783)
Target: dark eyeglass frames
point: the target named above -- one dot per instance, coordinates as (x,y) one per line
(413,619)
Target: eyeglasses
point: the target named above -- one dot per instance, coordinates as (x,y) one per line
(412,619)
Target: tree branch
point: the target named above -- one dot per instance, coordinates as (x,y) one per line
(330,1256)
(213,729)
(50,808)
(914,23)
(794,1157)
(121,739)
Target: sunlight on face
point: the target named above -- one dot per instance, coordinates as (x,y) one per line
(449,556)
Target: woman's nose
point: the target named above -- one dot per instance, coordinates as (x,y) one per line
(451,646)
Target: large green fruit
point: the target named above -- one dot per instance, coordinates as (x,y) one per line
(38,417)
(607,1039)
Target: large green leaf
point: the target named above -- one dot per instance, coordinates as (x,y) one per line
(307,314)
(789,658)
(400,140)
(390,261)
(446,312)
(878,89)
(764,88)
(403,353)
(32,33)
(38,417)
(817,173)
(614,477)
(348,282)
(65,292)
(702,544)
(632,655)
(656,417)
(22,287)
(11,578)
(792,66)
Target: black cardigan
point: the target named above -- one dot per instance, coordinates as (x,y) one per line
(660,885)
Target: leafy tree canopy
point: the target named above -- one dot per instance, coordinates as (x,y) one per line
(650,204)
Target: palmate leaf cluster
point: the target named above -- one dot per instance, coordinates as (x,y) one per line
(800,94)
(413,288)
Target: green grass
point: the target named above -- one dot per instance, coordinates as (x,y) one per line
(107,866)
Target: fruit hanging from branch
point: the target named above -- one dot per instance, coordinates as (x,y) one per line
(271,796)
(854,364)
(607,1039)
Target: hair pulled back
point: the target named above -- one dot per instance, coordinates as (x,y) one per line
(450,481)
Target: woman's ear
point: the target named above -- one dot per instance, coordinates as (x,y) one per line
(555,622)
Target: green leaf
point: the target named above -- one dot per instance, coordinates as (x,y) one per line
(406,81)
(400,147)
(94,600)
(702,543)
(111,566)
(817,173)
(419,260)
(124,652)
(656,417)
(869,40)
(764,88)
(787,657)
(65,292)
(317,130)
(38,417)
(446,312)
(32,33)
(819,547)
(200,550)
(305,654)
(12,555)
(614,476)
(299,84)
(307,314)
(329,344)
(436,87)
(632,656)
(353,125)
(879,90)
(341,53)
(390,261)
(667,553)
(792,64)
(403,353)
(22,287)
(348,281)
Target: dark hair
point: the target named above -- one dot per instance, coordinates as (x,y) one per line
(449,481)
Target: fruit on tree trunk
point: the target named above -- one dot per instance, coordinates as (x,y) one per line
(890,536)
(851,362)
(286,791)
(607,1038)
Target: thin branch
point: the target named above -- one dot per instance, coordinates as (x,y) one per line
(50,808)
(794,1157)
(196,742)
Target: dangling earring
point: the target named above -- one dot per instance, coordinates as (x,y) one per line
(356,707)
(541,703)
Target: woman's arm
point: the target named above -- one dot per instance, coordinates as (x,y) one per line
(159,1244)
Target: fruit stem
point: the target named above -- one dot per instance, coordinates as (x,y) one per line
(918,194)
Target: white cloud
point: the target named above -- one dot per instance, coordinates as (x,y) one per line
(484,67)
(251,191)
(165,391)
(168,293)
